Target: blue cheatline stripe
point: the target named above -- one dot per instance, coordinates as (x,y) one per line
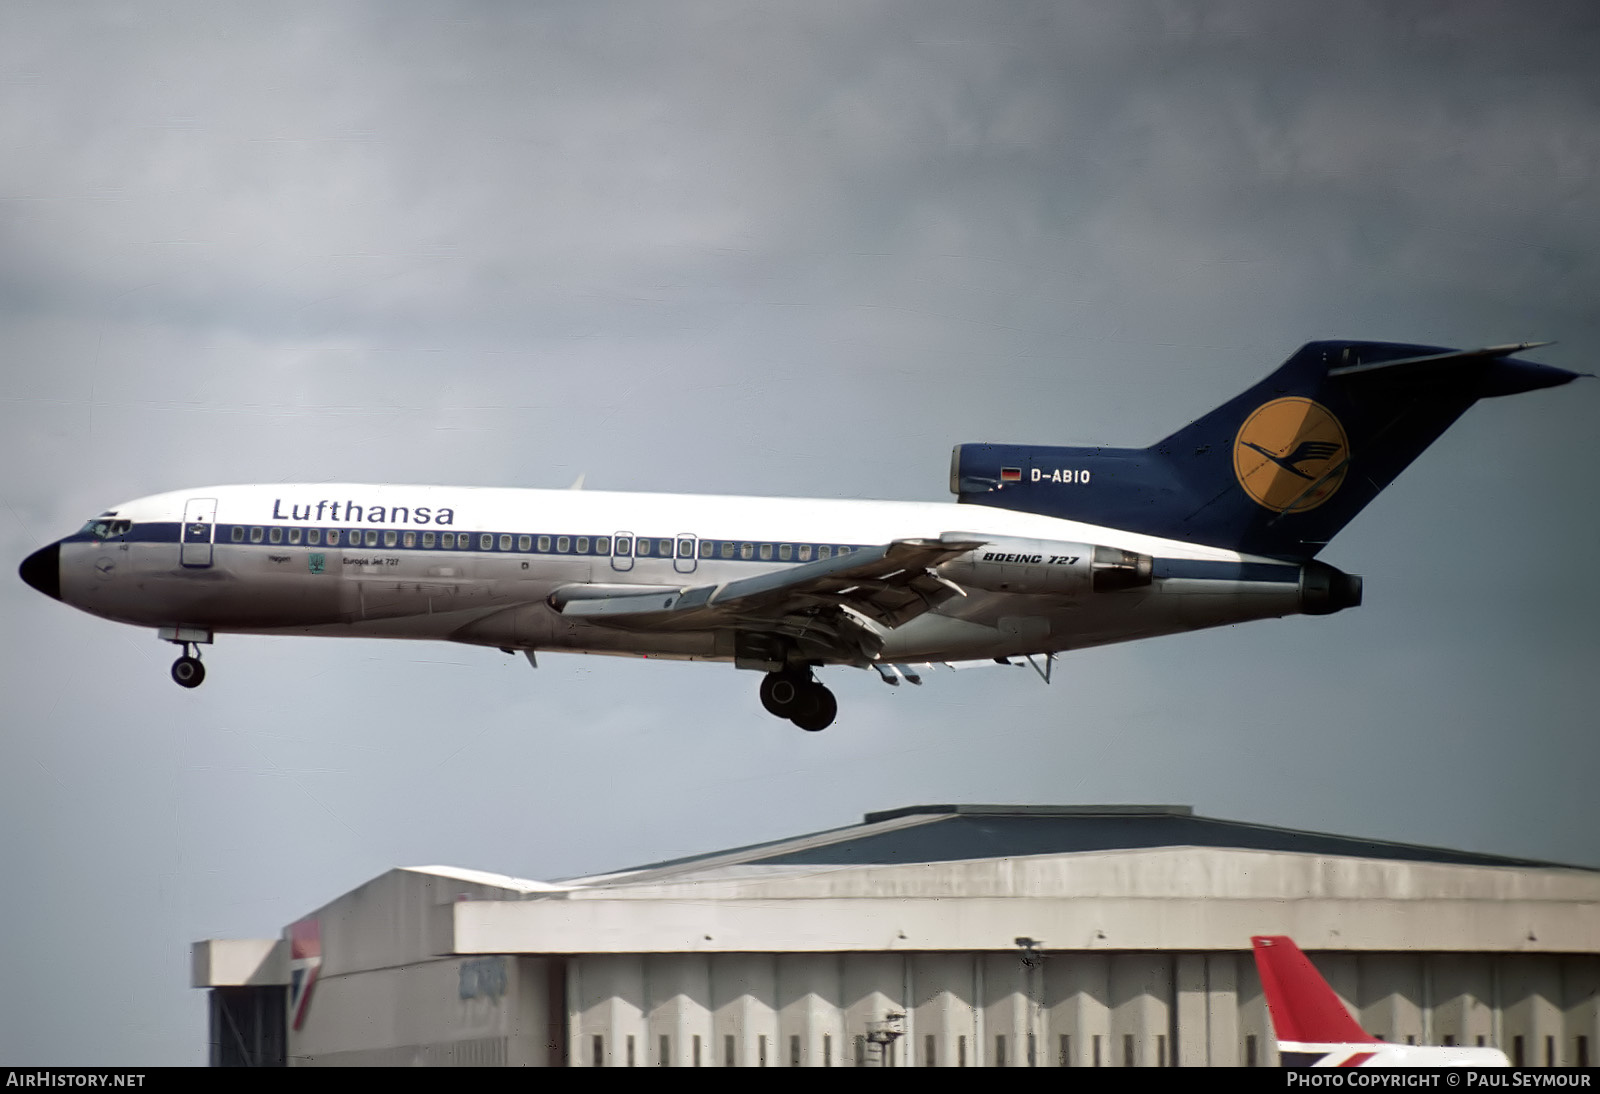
(1205,570)
(663,548)
(140,533)
(722,550)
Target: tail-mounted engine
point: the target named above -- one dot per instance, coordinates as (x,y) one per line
(1324,590)
(1047,566)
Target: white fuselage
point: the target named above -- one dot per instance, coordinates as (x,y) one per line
(1385,1054)
(476,565)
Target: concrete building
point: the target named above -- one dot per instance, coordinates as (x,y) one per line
(946,935)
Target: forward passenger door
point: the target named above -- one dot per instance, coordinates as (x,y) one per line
(199,526)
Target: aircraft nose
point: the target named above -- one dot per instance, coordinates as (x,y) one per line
(42,570)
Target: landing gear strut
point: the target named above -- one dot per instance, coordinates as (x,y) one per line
(799,698)
(187,670)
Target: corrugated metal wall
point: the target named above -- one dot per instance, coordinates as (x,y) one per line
(1077,1009)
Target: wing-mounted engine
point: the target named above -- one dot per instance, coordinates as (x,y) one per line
(1009,565)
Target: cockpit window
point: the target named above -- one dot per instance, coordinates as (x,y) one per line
(106,528)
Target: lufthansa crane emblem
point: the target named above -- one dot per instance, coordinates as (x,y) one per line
(1291,455)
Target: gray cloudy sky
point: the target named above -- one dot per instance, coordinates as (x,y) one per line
(789,248)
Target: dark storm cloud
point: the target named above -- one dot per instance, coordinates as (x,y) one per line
(525,170)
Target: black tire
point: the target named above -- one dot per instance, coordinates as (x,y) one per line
(188,672)
(781,692)
(817,709)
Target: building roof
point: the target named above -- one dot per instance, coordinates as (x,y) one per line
(955,833)
(935,878)
(485,878)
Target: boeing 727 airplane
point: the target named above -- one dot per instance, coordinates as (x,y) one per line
(1048,549)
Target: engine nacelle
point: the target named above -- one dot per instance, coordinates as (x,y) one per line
(1325,590)
(1047,566)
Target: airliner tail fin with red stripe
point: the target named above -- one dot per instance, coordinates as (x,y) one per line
(1314,1029)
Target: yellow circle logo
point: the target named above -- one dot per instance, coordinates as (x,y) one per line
(1291,455)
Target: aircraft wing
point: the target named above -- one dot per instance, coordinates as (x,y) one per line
(841,606)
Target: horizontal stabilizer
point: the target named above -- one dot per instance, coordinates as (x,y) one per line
(1437,358)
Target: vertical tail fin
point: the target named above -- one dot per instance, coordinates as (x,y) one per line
(1314,1029)
(1277,470)
(1304,1008)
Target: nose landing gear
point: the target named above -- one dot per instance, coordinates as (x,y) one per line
(188,671)
(798,697)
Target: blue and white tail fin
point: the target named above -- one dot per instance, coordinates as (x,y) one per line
(1275,471)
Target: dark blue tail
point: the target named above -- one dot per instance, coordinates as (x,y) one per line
(1277,470)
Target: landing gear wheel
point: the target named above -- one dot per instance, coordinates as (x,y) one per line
(816,709)
(781,691)
(188,671)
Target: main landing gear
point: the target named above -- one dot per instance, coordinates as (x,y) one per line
(798,697)
(187,670)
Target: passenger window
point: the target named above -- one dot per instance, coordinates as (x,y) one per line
(602,545)
(410,539)
(644,547)
(505,542)
(581,545)
(785,552)
(824,551)
(727,549)
(333,537)
(294,535)
(562,543)
(544,543)
(844,550)
(524,543)
(313,535)
(255,535)
(706,548)
(747,550)
(390,538)
(686,548)
(766,552)
(448,541)
(274,535)
(805,552)
(238,533)
(485,541)
(372,537)
(429,539)
(665,547)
